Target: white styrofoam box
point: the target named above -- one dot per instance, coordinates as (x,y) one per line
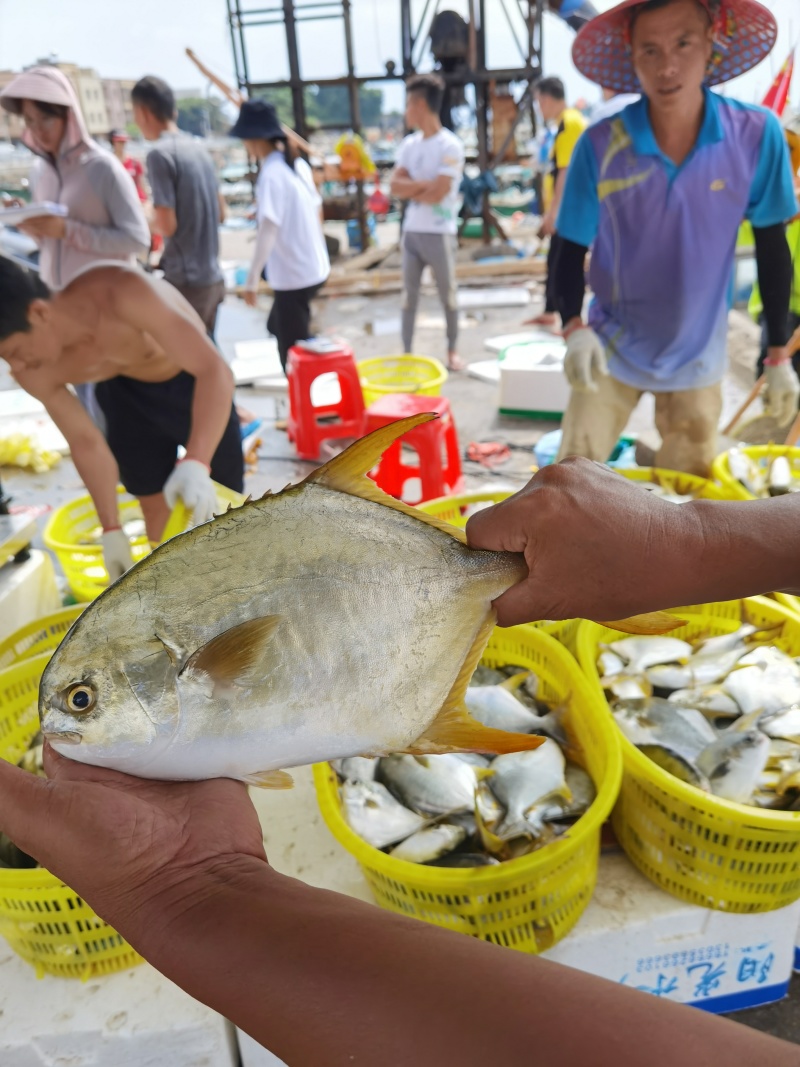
(485,370)
(506,340)
(27,591)
(136,1018)
(532,378)
(637,935)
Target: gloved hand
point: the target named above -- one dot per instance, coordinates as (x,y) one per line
(191,482)
(116,553)
(585,359)
(783,391)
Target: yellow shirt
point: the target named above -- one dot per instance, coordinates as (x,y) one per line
(570,127)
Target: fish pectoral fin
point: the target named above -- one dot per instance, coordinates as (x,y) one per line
(454,729)
(235,656)
(655,622)
(270,780)
(493,844)
(347,472)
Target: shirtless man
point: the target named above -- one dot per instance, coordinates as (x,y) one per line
(161,383)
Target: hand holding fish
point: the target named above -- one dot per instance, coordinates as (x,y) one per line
(598,546)
(179,869)
(139,851)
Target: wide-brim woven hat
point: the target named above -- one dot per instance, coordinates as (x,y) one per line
(744,33)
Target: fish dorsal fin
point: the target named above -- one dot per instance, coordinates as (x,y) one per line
(655,622)
(235,656)
(270,780)
(454,729)
(347,472)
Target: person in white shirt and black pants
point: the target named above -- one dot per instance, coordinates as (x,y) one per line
(427,174)
(289,240)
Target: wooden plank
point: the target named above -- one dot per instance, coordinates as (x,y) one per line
(385,280)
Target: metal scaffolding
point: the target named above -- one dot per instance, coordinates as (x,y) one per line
(459,70)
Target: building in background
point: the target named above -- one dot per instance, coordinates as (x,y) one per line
(11,126)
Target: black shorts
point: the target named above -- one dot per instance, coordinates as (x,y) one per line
(146,421)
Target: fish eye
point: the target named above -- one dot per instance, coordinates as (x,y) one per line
(80,699)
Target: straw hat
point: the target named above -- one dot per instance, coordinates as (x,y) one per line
(744,34)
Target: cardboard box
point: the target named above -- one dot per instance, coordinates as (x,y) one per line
(532,380)
(635,934)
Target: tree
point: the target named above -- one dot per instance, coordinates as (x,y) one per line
(327,105)
(202,116)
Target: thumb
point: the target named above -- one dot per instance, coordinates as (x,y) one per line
(518,604)
(496,530)
(25,801)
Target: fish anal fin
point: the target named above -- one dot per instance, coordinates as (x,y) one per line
(347,472)
(454,729)
(655,622)
(234,657)
(270,780)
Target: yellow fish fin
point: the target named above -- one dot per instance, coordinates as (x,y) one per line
(454,729)
(655,622)
(234,657)
(270,780)
(347,473)
(493,844)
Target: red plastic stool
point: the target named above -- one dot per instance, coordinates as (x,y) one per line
(310,425)
(436,444)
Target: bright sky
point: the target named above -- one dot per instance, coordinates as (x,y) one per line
(149,37)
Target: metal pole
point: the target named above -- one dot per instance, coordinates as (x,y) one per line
(355,118)
(406,38)
(298,101)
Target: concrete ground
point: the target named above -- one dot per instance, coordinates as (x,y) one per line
(371,325)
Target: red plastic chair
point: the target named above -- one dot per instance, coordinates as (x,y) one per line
(436,444)
(310,425)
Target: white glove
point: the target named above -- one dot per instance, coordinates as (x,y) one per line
(116,553)
(783,391)
(585,360)
(191,482)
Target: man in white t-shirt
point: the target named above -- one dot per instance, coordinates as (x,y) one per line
(427,174)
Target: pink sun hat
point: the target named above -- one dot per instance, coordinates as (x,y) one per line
(744,33)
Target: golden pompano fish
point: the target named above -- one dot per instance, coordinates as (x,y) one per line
(326,621)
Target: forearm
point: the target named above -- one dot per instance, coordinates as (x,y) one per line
(407,188)
(774,262)
(98,469)
(319,978)
(108,240)
(570,282)
(427,194)
(266,237)
(211,410)
(558,192)
(748,548)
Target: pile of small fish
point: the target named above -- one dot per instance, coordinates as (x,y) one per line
(10,855)
(722,713)
(762,480)
(467,810)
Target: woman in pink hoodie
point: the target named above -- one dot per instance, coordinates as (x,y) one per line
(105,222)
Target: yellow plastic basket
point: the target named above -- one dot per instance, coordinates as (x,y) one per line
(458,508)
(401,374)
(42,635)
(761,455)
(703,849)
(677,482)
(529,903)
(73,534)
(42,919)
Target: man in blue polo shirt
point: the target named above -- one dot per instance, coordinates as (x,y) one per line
(659,192)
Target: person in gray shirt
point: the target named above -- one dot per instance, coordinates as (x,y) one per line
(187,207)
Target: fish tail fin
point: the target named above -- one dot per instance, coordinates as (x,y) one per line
(655,622)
